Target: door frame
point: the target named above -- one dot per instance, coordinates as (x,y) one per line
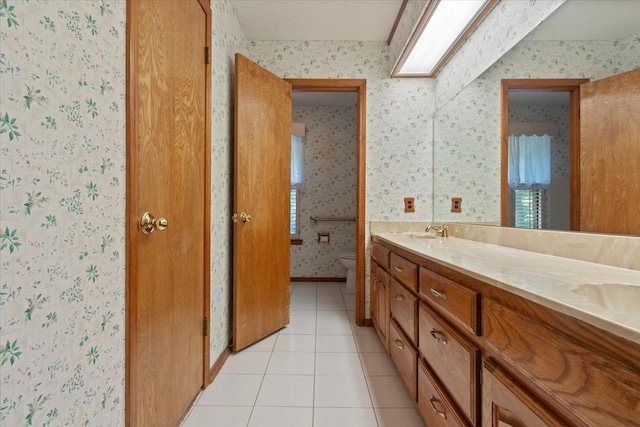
(131,215)
(556,85)
(360,87)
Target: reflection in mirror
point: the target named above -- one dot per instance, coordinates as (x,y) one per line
(539,107)
(467,129)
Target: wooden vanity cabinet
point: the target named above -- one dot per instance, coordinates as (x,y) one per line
(483,356)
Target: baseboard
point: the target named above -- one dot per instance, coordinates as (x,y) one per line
(215,369)
(318,279)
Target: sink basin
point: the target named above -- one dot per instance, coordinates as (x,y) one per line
(616,297)
(419,235)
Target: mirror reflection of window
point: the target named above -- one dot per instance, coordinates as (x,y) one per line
(297,177)
(529,172)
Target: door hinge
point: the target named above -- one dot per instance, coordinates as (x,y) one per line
(206,54)
(205,326)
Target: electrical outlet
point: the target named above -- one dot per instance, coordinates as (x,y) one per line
(456,204)
(409,205)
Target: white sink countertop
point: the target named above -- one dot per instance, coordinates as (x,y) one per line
(552,281)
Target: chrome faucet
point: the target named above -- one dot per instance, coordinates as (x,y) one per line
(440,230)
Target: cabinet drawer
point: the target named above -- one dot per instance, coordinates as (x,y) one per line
(506,403)
(405,358)
(380,254)
(403,305)
(587,387)
(405,271)
(434,404)
(453,359)
(456,302)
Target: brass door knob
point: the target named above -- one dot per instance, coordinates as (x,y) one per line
(244,217)
(148,223)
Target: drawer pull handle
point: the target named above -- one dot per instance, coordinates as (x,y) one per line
(439,336)
(399,344)
(399,269)
(433,401)
(438,294)
(399,297)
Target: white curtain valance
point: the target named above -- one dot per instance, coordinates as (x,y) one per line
(529,160)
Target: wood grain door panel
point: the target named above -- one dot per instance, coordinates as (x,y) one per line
(167,175)
(610,154)
(262,164)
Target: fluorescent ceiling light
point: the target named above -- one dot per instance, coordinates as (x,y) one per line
(443,27)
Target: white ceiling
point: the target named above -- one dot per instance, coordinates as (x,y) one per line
(372,20)
(361,20)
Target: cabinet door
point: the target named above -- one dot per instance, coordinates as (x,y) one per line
(507,404)
(373,279)
(382,306)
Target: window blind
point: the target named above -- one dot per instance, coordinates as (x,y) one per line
(528,209)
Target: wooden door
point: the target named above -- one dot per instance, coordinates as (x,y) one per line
(610,154)
(262,182)
(167,176)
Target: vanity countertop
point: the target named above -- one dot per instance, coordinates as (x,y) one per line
(603,296)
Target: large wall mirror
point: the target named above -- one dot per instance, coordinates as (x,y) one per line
(580,41)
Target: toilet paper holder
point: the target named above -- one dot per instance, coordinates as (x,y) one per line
(323,238)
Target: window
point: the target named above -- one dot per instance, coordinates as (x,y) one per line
(297,178)
(528,212)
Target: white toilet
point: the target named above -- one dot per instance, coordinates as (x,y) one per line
(348,259)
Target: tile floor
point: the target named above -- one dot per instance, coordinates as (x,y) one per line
(320,371)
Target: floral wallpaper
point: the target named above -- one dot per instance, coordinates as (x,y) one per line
(467,129)
(329,189)
(227,39)
(62,206)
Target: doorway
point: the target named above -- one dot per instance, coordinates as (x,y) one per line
(323,193)
(359,87)
(511,197)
